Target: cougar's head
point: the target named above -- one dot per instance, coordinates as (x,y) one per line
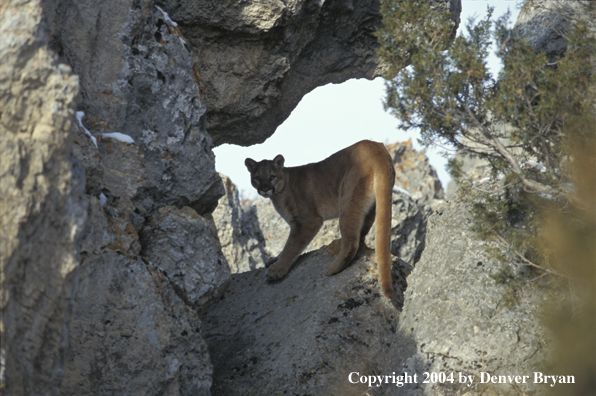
(267,176)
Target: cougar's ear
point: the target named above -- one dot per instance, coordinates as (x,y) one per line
(278,161)
(250,164)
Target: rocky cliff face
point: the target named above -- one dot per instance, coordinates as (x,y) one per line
(258,59)
(308,332)
(305,334)
(108,179)
(108,249)
(42,209)
(454,311)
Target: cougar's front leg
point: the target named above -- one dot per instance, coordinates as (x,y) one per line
(299,238)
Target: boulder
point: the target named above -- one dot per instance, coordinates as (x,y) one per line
(306,333)
(184,245)
(132,335)
(42,203)
(241,239)
(135,330)
(454,311)
(257,59)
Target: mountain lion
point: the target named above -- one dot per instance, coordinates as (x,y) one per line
(354,184)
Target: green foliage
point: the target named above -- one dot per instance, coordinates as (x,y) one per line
(507,277)
(527,123)
(545,212)
(451,97)
(455,168)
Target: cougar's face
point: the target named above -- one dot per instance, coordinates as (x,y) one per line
(266,176)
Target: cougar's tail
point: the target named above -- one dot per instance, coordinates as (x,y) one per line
(384,180)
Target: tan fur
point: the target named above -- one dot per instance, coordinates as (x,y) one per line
(352,184)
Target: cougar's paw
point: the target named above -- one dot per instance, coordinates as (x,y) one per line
(275,272)
(271,261)
(332,269)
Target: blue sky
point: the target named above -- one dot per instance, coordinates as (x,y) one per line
(335,116)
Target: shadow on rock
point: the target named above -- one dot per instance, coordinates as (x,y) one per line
(307,333)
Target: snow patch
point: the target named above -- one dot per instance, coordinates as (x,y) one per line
(170,22)
(80,115)
(401,190)
(103,200)
(119,136)
(166,16)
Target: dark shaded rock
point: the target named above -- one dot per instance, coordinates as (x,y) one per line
(545,23)
(305,334)
(131,334)
(242,241)
(256,60)
(184,245)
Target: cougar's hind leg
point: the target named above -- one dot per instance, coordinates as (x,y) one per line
(350,226)
(369,219)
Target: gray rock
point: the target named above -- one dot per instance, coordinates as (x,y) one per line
(415,174)
(131,334)
(257,59)
(184,245)
(241,239)
(545,23)
(305,334)
(453,310)
(42,204)
(137,78)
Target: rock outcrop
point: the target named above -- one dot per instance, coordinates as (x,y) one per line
(108,251)
(416,175)
(137,78)
(42,203)
(305,334)
(545,23)
(256,60)
(132,334)
(240,235)
(150,260)
(184,245)
(454,311)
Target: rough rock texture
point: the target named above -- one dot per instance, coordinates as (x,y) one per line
(453,310)
(241,239)
(305,334)
(184,245)
(131,332)
(545,23)
(135,327)
(137,78)
(416,175)
(257,59)
(132,335)
(42,203)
